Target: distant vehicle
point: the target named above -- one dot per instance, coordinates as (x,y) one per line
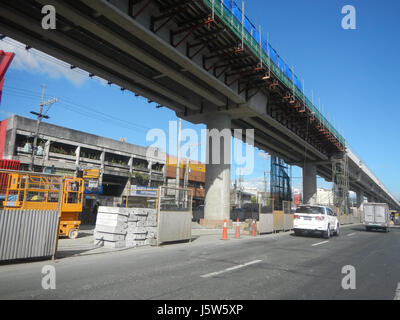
(376,216)
(316,219)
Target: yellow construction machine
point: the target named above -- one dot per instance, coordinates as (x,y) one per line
(30,191)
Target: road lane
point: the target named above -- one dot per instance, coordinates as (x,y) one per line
(290,269)
(212,274)
(319,243)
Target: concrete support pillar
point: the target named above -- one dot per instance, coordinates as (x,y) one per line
(77,159)
(150,172)
(77,155)
(9,147)
(165,174)
(218,171)
(102,159)
(130,164)
(360,202)
(360,198)
(47,150)
(309,183)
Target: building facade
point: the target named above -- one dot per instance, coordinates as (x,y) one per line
(324,197)
(192,176)
(65,151)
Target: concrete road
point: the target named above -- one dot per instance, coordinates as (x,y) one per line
(278,266)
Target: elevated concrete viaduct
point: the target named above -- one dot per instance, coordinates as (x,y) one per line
(187,55)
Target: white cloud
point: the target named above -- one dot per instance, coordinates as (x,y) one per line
(35,61)
(8,114)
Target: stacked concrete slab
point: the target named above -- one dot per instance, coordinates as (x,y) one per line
(125,227)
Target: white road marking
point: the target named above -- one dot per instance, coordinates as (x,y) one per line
(397,295)
(208,275)
(317,244)
(351,234)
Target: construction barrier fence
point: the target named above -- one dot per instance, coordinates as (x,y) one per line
(26,234)
(174,214)
(266,220)
(275,220)
(29,215)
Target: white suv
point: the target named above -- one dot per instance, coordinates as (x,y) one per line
(316,219)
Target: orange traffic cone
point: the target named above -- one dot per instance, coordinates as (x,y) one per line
(254,233)
(237,234)
(225,232)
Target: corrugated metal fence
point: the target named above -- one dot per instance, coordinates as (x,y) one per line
(27,234)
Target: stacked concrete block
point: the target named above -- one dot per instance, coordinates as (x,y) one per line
(126,227)
(111,227)
(140,224)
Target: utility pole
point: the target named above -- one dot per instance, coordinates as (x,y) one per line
(187,164)
(40,115)
(240,188)
(265,188)
(178,164)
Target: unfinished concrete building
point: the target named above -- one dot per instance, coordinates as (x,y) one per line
(66,152)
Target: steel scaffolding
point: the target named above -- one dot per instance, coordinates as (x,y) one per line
(340,178)
(281,189)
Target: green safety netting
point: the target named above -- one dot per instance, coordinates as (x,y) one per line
(231,15)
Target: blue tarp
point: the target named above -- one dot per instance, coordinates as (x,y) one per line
(264,45)
(268,50)
(237,12)
(288,72)
(249,27)
(298,83)
(256,36)
(281,65)
(228,4)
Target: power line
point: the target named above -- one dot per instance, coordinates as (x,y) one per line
(45,56)
(70,105)
(79,108)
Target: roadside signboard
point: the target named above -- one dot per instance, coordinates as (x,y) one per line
(139,191)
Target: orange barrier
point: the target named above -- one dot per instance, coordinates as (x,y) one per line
(237,234)
(225,232)
(253,232)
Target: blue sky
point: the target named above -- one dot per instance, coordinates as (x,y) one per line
(354,73)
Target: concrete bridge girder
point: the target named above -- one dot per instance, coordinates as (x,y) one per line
(121,18)
(130,48)
(138,79)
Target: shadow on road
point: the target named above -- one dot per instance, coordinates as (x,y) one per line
(307,235)
(70,253)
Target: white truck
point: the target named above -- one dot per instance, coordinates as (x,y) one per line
(376,216)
